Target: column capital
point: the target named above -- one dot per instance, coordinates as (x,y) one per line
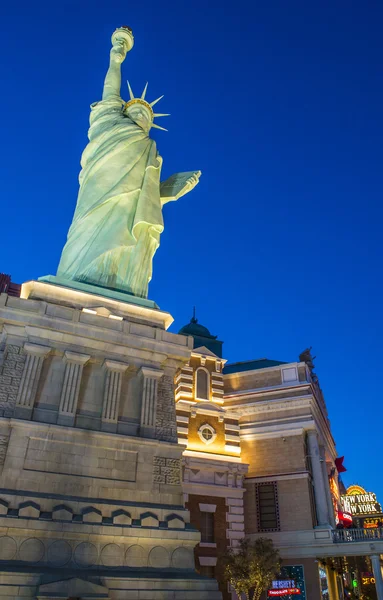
(75,357)
(113,365)
(150,372)
(37,349)
(312,431)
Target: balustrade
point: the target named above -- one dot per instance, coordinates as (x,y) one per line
(342,536)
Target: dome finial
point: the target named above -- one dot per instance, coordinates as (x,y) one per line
(193,319)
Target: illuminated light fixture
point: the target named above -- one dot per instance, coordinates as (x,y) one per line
(89,311)
(355,490)
(115,317)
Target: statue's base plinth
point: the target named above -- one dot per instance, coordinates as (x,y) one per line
(91,298)
(98,290)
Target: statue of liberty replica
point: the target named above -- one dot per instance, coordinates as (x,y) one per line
(118,219)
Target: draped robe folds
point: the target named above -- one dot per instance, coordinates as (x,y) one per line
(118,218)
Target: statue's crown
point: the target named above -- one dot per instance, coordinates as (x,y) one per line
(148,105)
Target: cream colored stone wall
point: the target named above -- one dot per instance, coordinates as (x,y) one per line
(277,415)
(253,380)
(294,506)
(275,455)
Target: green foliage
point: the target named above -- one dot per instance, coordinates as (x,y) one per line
(251,567)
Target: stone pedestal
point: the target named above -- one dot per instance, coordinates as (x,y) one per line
(90,485)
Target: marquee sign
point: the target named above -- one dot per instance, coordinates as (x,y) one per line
(284,592)
(367,578)
(283,587)
(283,583)
(360,503)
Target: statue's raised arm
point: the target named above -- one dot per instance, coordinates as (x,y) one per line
(118,219)
(122,42)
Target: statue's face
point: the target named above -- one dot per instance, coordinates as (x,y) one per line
(140,115)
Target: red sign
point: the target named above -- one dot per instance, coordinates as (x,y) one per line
(345,518)
(284,592)
(339,464)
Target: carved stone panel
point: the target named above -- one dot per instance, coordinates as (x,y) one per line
(166,470)
(166,421)
(4,439)
(11,371)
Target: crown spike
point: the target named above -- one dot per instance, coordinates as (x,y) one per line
(155,101)
(144,92)
(161,115)
(130,91)
(158,127)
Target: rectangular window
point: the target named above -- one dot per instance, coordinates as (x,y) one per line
(267,506)
(207,527)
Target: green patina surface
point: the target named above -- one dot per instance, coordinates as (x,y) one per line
(252,365)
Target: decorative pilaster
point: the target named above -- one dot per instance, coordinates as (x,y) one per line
(330,506)
(377,570)
(71,387)
(112,394)
(25,400)
(150,379)
(331,581)
(317,472)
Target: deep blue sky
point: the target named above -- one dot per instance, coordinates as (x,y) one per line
(279,103)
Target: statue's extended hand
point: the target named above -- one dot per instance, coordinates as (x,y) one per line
(191,183)
(178,185)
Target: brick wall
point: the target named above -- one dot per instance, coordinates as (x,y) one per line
(220,525)
(293,505)
(234,382)
(274,455)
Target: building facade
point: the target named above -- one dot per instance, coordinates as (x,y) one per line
(261,428)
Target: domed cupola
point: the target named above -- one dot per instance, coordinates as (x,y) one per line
(201,336)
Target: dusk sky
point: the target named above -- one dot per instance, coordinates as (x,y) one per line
(279,103)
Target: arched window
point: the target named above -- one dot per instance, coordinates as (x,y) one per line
(202,384)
